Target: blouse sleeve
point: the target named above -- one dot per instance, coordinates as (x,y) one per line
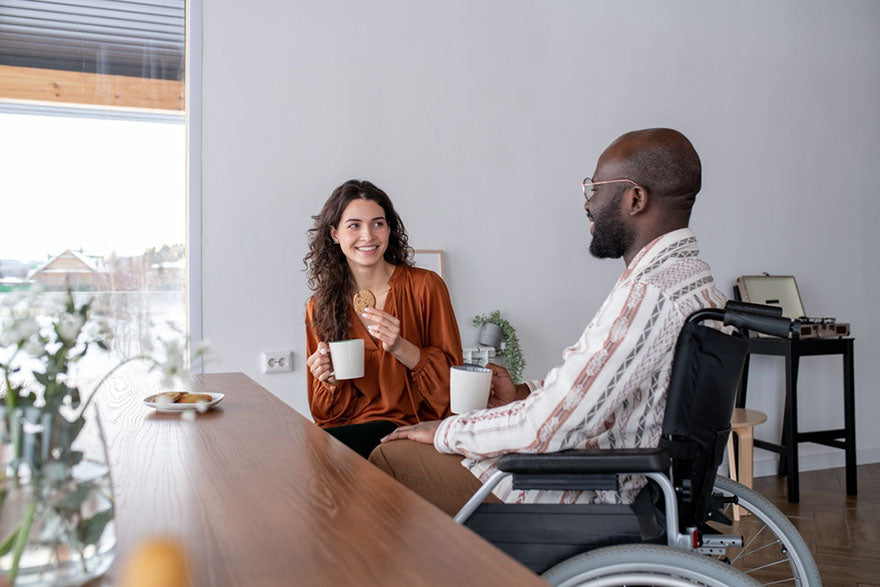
(440,348)
(329,403)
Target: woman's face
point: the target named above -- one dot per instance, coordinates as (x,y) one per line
(362,233)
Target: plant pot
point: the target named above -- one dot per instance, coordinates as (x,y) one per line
(57,498)
(490,335)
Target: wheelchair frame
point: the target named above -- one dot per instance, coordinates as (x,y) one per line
(599,468)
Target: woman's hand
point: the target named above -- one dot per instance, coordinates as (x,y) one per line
(319,364)
(386,328)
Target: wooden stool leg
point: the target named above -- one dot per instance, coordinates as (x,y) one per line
(731,460)
(731,457)
(746,456)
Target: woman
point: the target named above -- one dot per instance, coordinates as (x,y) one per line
(410,338)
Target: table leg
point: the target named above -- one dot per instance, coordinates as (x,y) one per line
(743,385)
(849,418)
(789,459)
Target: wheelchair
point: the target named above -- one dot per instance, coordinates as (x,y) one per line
(681,529)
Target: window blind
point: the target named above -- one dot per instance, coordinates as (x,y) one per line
(140,39)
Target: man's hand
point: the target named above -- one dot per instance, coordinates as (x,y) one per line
(422,432)
(502,390)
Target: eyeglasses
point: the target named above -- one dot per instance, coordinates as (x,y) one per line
(589,186)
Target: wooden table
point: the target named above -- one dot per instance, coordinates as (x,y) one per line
(261,496)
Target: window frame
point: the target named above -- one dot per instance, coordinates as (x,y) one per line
(60,90)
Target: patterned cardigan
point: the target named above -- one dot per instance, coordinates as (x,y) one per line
(610,391)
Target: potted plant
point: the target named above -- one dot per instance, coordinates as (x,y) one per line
(56,498)
(489,326)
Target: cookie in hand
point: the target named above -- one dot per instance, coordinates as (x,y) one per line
(364,299)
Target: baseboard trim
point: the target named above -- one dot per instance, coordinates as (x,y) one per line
(766,463)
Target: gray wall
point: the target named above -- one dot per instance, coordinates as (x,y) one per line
(481,118)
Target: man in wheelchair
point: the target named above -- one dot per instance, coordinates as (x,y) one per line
(606,405)
(610,391)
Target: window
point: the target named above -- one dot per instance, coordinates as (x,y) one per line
(93,160)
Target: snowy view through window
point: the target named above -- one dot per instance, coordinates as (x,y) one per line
(97,203)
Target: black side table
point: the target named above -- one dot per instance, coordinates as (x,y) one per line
(842,438)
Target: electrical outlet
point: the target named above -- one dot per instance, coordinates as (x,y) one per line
(276,361)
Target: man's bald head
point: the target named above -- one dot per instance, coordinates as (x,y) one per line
(661,159)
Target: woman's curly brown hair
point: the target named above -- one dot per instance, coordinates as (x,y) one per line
(328,273)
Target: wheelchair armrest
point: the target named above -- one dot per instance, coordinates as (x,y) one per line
(586,461)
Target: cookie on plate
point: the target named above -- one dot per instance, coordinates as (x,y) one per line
(194,398)
(364,299)
(167,396)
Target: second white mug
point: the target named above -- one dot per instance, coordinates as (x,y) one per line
(468,388)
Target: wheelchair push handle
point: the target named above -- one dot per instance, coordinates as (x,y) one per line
(750,308)
(761,323)
(742,315)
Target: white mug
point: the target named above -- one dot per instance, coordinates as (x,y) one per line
(348,358)
(468,388)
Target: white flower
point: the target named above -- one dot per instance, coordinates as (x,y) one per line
(27,327)
(69,327)
(168,379)
(8,334)
(203,347)
(33,348)
(173,367)
(17,325)
(98,329)
(173,359)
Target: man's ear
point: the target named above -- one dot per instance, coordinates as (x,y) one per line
(638,200)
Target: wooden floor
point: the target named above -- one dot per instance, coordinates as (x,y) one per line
(843,532)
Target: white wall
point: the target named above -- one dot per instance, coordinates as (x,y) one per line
(481,118)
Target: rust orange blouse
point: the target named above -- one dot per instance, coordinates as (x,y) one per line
(388,390)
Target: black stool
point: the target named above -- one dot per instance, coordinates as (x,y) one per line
(842,438)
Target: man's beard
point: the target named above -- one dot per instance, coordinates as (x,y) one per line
(611,237)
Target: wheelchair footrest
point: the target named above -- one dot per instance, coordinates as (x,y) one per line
(542,535)
(717,544)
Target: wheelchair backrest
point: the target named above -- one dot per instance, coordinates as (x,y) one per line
(702,390)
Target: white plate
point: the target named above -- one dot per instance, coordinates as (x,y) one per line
(167,407)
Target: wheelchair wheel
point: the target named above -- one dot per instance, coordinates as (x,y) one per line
(773,551)
(644,564)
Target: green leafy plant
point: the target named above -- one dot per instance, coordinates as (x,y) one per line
(512,354)
(42,338)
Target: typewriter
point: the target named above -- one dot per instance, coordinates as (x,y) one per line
(782,291)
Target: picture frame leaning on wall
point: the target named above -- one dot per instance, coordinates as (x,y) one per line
(431,259)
